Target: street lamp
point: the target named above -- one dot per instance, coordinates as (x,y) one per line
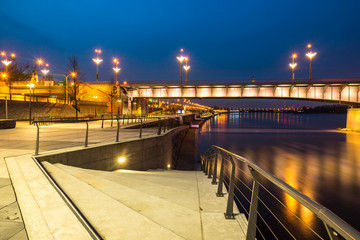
(310,55)
(116,69)
(6,62)
(31,85)
(181,59)
(97,60)
(293,65)
(186,70)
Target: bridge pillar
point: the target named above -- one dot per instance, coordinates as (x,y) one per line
(353,119)
(129,105)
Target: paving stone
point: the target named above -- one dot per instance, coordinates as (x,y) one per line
(20,236)
(9,229)
(11,213)
(7,196)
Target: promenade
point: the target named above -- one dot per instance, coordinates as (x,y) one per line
(21,140)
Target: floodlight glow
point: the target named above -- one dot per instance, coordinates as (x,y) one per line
(186,68)
(311,55)
(117,69)
(292,65)
(13,55)
(6,62)
(31,85)
(181,58)
(45,71)
(121,160)
(97,60)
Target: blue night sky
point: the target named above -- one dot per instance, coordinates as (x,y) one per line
(223,39)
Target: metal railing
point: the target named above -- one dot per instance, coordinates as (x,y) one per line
(232,166)
(160,124)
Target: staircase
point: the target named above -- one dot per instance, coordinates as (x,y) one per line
(156,204)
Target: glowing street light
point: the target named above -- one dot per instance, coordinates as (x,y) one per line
(7,62)
(293,65)
(310,55)
(31,85)
(97,60)
(45,71)
(181,59)
(116,69)
(186,70)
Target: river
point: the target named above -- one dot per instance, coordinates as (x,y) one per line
(305,151)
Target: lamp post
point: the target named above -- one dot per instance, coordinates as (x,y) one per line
(66,84)
(95,97)
(31,85)
(97,60)
(116,69)
(186,70)
(293,65)
(181,59)
(7,62)
(310,55)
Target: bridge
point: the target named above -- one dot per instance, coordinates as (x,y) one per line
(332,91)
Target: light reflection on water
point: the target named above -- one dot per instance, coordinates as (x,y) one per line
(303,150)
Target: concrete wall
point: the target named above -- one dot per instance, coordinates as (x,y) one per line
(353,119)
(139,154)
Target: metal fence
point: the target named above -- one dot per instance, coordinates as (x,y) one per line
(55,133)
(261,204)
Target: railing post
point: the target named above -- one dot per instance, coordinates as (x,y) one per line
(210,165)
(117,130)
(164,124)
(221,180)
(251,230)
(102,121)
(230,203)
(140,136)
(87,134)
(206,163)
(215,167)
(37,139)
(159,129)
(123,120)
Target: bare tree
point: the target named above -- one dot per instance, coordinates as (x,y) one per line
(18,72)
(111,94)
(73,89)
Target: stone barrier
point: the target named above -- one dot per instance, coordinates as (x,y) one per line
(7,123)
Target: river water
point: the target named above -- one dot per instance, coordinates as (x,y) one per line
(305,151)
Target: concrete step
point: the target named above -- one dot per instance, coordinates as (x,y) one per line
(182,197)
(212,208)
(46,215)
(112,219)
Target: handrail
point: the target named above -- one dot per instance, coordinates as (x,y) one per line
(334,225)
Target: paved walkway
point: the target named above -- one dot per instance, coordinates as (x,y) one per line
(21,140)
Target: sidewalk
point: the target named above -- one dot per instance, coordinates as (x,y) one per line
(21,140)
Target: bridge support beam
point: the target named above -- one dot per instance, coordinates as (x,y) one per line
(353,119)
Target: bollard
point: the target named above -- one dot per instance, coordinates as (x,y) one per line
(37,139)
(140,135)
(102,123)
(117,130)
(87,134)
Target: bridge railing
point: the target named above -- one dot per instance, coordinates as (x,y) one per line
(98,131)
(262,205)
